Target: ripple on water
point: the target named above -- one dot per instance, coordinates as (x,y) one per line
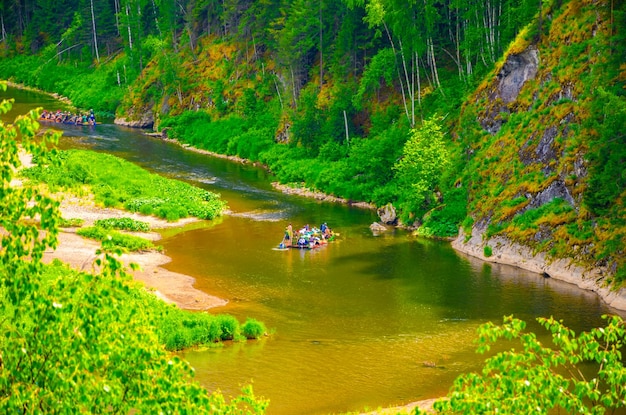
(261,215)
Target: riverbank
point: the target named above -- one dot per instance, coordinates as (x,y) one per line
(507,252)
(80,253)
(425,405)
(290,189)
(58,97)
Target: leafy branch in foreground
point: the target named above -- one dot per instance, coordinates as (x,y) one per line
(70,343)
(581,374)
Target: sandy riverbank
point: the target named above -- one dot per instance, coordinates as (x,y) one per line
(79,253)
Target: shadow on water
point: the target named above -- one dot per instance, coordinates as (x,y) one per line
(355,319)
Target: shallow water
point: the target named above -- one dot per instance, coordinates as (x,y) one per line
(355,320)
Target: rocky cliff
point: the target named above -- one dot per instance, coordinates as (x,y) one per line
(528,132)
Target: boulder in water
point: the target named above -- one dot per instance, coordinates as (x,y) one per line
(377,227)
(387,214)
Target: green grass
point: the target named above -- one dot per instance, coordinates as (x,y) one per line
(71,223)
(119,183)
(125,224)
(118,239)
(253,329)
(487,251)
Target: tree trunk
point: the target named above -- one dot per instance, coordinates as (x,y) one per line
(410,89)
(4,32)
(540,22)
(321,49)
(457,44)
(117,18)
(95,37)
(280,99)
(293,87)
(419,84)
(156,19)
(393,47)
(433,62)
(130,34)
(345,120)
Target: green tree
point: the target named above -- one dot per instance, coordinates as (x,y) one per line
(424,159)
(607,181)
(582,374)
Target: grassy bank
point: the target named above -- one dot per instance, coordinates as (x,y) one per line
(117,183)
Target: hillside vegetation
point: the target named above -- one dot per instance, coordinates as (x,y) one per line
(501,117)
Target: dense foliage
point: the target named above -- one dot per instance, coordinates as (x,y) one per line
(119,183)
(340,84)
(582,374)
(73,342)
(383,101)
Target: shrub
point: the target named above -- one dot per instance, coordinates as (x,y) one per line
(487,251)
(95,335)
(253,329)
(229,327)
(531,377)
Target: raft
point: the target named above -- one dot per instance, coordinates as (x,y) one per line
(308,239)
(67,118)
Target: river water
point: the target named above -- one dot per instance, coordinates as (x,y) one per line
(355,321)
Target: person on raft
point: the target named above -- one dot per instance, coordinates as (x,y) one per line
(288,235)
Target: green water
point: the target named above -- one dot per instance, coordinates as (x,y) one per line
(354,320)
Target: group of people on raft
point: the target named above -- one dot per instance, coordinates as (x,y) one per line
(66,117)
(307,237)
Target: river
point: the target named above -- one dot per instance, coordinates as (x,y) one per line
(353,321)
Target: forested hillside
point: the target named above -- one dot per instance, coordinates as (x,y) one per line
(504,117)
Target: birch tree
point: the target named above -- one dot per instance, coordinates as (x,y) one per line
(95,36)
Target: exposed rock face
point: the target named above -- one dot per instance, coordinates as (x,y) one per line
(145,120)
(544,149)
(511,253)
(387,214)
(515,72)
(556,189)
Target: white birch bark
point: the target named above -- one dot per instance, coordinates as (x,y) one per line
(393,47)
(117,18)
(4,32)
(95,37)
(130,33)
(345,120)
